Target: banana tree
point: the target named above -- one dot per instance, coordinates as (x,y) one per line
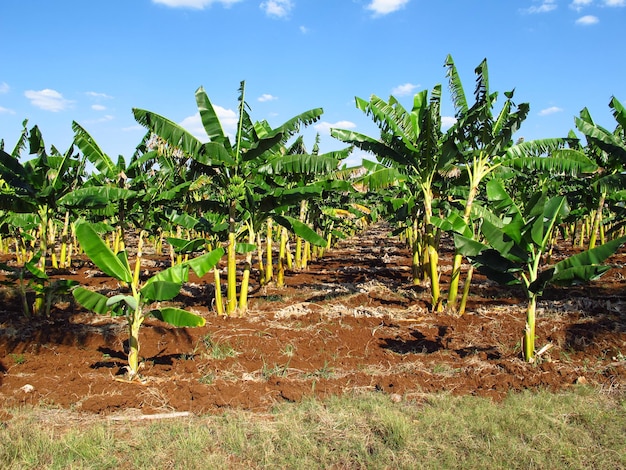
(231,168)
(517,238)
(409,149)
(481,142)
(135,305)
(608,150)
(35,187)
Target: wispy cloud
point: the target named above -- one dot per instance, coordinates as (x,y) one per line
(324,127)
(550,110)
(196,4)
(580,4)
(266,97)
(4,88)
(6,111)
(587,20)
(95,94)
(404,90)
(47,99)
(384,7)
(544,6)
(227,118)
(304,29)
(277,8)
(98,107)
(615,3)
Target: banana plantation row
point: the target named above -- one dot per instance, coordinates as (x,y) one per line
(505,203)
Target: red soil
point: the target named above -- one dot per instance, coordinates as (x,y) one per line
(351,322)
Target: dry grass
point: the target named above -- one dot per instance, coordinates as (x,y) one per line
(579,429)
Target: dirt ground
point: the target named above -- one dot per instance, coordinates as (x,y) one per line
(351,322)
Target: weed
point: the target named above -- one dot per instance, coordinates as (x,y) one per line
(277,370)
(218,350)
(207,379)
(289,350)
(18,358)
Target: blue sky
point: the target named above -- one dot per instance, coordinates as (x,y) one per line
(93,61)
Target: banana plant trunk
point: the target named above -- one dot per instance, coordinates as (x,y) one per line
(433,255)
(134,324)
(245,281)
(231,266)
(269,263)
(597,222)
(529,330)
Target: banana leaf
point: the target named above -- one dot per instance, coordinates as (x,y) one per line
(178,317)
(301,229)
(101,255)
(206,262)
(91,300)
(160,290)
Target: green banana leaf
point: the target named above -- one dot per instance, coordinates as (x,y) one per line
(585,266)
(204,263)
(160,290)
(91,300)
(178,274)
(101,255)
(182,246)
(96,196)
(243,248)
(301,229)
(178,317)
(127,299)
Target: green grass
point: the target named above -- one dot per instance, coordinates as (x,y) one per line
(578,429)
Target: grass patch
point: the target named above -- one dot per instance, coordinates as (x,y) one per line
(217,349)
(578,429)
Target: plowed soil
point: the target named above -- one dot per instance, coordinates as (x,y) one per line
(351,322)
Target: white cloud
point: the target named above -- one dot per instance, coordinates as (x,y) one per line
(447,122)
(550,110)
(304,29)
(403,90)
(227,117)
(98,107)
(49,100)
(95,94)
(384,7)
(587,20)
(4,87)
(277,8)
(545,7)
(324,127)
(266,97)
(580,4)
(6,111)
(615,3)
(197,4)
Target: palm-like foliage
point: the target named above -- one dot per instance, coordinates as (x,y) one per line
(409,153)
(481,142)
(232,170)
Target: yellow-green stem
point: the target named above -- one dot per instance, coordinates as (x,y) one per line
(231,288)
(529,330)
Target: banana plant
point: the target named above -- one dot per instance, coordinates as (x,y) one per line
(35,187)
(136,304)
(232,168)
(608,150)
(410,150)
(517,239)
(481,143)
(31,279)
